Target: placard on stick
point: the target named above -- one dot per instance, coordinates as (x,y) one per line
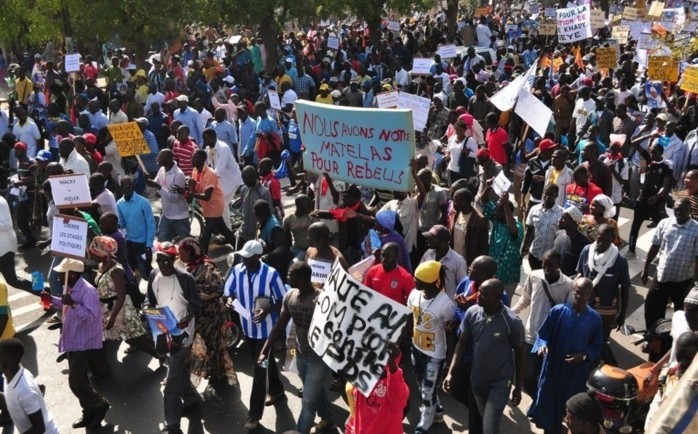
(274,100)
(689,79)
(547,27)
(662,68)
(129,139)
(621,33)
(447,51)
(69,237)
(72,63)
(421,66)
(70,191)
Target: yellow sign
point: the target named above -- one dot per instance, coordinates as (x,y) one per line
(689,79)
(556,63)
(129,139)
(482,11)
(662,68)
(606,57)
(547,27)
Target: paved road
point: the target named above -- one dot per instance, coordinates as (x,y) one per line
(135,392)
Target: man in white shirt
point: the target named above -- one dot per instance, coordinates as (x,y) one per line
(26,131)
(154,95)
(116,115)
(583,108)
(204,115)
(484,34)
(402,77)
(225,131)
(101,195)
(22,394)
(170,181)
(289,96)
(71,159)
(543,289)
(221,159)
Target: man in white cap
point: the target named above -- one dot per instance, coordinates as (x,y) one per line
(81,338)
(260,291)
(569,242)
(175,289)
(188,117)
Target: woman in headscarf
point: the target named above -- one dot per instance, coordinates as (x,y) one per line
(120,317)
(387,229)
(474,128)
(214,363)
(602,210)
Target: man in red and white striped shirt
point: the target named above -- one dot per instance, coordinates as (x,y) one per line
(184,148)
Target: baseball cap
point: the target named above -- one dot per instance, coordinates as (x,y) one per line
(44,155)
(438,231)
(182,98)
(69,264)
(251,248)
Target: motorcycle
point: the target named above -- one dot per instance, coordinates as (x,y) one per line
(625,395)
(656,341)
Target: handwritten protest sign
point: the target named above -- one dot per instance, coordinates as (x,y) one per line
(129,139)
(70,191)
(447,51)
(689,79)
(394,26)
(320,271)
(421,66)
(69,236)
(333,42)
(606,57)
(632,14)
(662,68)
(482,11)
(597,19)
(72,63)
(351,328)
(547,27)
(573,24)
(369,147)
(532,111)
(274,101)
(420,108)
(655,11)
(647,42)
(621,33)
(550,12)
(387,99)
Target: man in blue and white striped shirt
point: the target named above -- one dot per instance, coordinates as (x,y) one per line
(260,291)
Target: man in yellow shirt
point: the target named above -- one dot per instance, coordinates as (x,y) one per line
(23,87)
(324,97)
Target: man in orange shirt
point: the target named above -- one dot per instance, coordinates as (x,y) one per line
(204,185)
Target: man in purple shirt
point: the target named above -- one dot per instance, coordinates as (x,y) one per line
(81,338)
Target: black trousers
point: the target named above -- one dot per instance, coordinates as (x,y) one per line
(134,255)
(215,224)
(25,211)
(78,364)
(9,272)
(643,211)
(658,298)
(264,381)
(535,263)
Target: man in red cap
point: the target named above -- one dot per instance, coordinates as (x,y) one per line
(489,169)
(534,175)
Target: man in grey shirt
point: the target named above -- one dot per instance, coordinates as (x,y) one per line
(496,336)
(251,192)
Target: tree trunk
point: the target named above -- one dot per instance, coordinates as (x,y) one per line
(268,30)
(452,17)
(374,25)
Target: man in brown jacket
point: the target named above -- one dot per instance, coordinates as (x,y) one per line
(470,230)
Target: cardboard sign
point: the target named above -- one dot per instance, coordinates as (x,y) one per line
(621,33)
(387,100)
(547,27)
(662,68)
(394,26)
(550,13)
(351,328)
(655,11)
(369,147)
(447,51)
(274,100)
(534,112)
(482,11)
(333,43)
(420,108)
(689,79)
(69,237)
(70,191)
(573,24)
(129,139)
(72,63)
(606,57)
(632,14)
(597,19)
(501,184)
(421,66)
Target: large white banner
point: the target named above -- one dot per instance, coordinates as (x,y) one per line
(352,326)
(573,24)
(536,114)
(506,97)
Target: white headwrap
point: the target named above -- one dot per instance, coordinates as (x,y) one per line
(609,208)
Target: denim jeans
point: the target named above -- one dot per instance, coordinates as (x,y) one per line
(313,372)
(178,387)
(169,228)
(427,371)
(491,402)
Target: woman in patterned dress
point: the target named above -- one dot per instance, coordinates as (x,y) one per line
(120,318)
(214,363)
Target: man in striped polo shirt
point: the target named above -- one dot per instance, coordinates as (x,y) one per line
(260,291)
